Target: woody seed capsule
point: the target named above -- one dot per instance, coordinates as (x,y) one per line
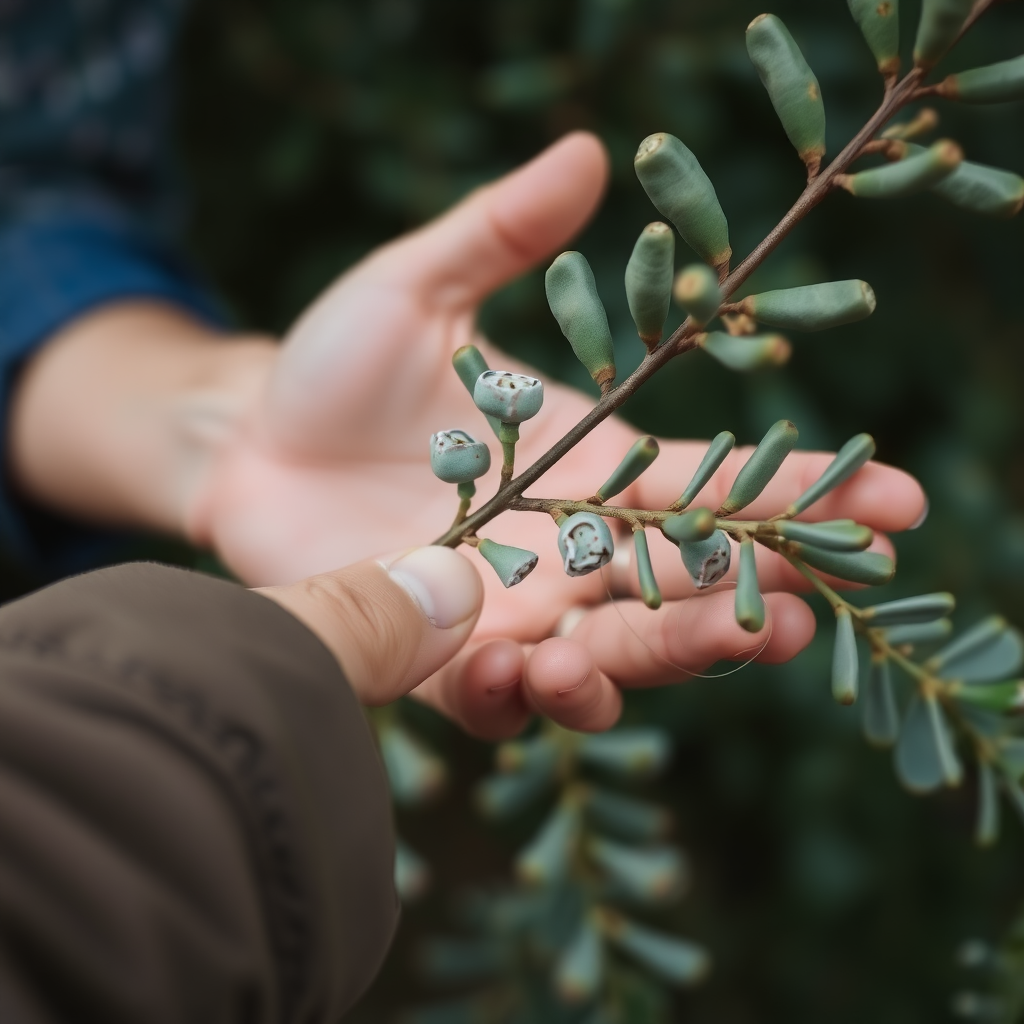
(456,458)
(510,397)
(585,543)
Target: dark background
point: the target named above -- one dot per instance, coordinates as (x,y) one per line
(313,130)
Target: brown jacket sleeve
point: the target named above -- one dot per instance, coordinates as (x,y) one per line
(194,821)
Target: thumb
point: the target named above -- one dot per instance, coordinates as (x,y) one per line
(503,229)
(390,622)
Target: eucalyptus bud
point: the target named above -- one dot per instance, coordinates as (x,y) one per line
(986,828)
(510,397)
(903,178)
(579,971)
(674,960)
(511,564)
(791,85)
(456,458)
(502,796)
(854,454)
(469,363)
(639,751)
(925,758)
(546,858)
(572,296)
(677,185)
(986,190)
(881,722)
(907,610)
(650,593)
(919,633)
(762,465)
(746,352)
(585,543)
(639,457)
(995,83)
(812,307)
(696,290)
(649,281)
(625,816)
(879,22)
(940,24)
(835,534)
(871,568)
(713,458)
(649,874)
(707,561)
(697,524)
(845,664)
(749,603)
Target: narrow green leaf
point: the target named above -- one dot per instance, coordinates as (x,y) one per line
(991,651)
(677,185)
(920,764)
(572,296)
(545,860)
(747,352)
(994,83)
(792,87)
(540,752)
(651,874)
(868,567)
(940,24)
(626,816)
(762,465)
(834,534)
(674,960)
(920,633)
(639,457)
(999,697)
(986,829)
(650,594)
(749,603)
(907,610)
(812,307)
(713,458)
(881,721)
(627,752)
(502,796)
(696,290)
(580,969)
(649,281)
(854,454)
(845,665)
(905,177)
(880,23)
(981,189)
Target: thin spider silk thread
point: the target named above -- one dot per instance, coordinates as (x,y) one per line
(680,668)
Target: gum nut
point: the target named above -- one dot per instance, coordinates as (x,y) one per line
(511,397)
(585,543)
(707,561)
(457,458)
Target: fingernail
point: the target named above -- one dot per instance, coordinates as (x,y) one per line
(921,518)
(441,582)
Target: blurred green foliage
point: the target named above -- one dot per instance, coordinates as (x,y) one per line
(313,130)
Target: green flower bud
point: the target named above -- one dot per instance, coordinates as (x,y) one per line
(905,177)
(1002,698)
(713,458)
(572,296)
(626,752)
(925,758)
(881,721)
(412,873)
(580,969)
(857,451)
(940,24)
(921,633)
(746,352)
(923,608)
(845,664)
(835,535)
(649,281)
(707,561)
(469,363)
(986,829)
(511,564)
(415,774)
(762,465)
(650,594)
(643,452)
(510,397)
(625,816)
(585,543)
(456,458)
(989,651)
(672,959)
(812,307)
(995,83)
(791,85)
(546,858)
(649,874)
(749,603)
(697,524)
(879,22)
(696,290)
(869,567)
(502,796)
(677,185)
